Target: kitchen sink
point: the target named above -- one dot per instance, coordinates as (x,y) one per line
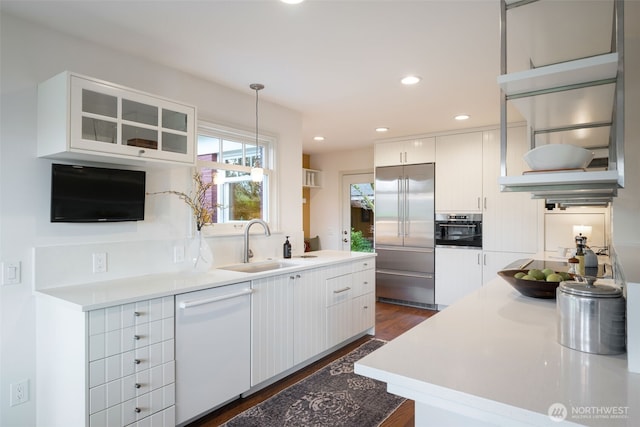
(257,267)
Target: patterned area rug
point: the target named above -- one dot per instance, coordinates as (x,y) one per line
(330,397)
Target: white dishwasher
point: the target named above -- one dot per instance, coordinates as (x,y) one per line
(213,336)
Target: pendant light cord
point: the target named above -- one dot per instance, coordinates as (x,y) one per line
(257,87)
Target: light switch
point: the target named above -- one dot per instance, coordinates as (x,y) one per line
(11,273)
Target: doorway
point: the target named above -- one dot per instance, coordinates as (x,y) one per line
(357,212)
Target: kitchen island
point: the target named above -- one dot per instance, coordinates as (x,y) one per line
(493,359)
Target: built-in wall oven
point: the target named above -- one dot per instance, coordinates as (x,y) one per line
(458,230)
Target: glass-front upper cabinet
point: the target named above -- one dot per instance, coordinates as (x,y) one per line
(105,119)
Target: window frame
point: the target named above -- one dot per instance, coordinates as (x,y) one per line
(268,144)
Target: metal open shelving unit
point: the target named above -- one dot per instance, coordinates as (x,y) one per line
(567,81)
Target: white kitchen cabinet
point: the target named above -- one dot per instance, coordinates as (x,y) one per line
(492,262)
(288,322)
(459,173)
(458,273)
(364,298)
(509,220)
(350,301)
(309,315)
(339,310)
(414,151)
(107,367)
(271,327)
(297,316)
(88,119)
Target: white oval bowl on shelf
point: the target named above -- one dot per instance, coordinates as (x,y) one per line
(558,156)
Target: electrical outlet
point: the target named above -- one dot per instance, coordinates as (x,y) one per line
(11,273)
(178,254)
(100,262)
(19,393)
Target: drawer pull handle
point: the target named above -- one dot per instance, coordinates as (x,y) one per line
(136,313)
(137,361)
(292,277)
(366,283)
(338,291)
(136,337)
(365,264)
(138,410)
(137,385)
(365,307)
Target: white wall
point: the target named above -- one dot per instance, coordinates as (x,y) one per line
(626,207)
(31,54)
(326,203)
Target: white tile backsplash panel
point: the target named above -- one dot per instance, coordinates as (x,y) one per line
(558,229)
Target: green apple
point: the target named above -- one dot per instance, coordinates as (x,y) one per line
(519,275)
(565,275)
(528,277)
(537,274)
(547,272)
(553,277)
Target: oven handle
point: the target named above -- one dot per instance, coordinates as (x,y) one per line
(458,225)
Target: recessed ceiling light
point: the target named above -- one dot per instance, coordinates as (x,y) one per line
(318,138)
(410,80)
(462,117)
(291,1)
(382,129)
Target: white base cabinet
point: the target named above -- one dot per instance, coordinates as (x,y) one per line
(127,352)
(296,317)
(458,273)
(287,322)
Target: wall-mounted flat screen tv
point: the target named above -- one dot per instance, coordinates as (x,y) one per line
(92,194)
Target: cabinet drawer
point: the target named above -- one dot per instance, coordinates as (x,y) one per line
(339,289)
(155,408)
(364,282)
(164,418)
(367,264)
(127,315)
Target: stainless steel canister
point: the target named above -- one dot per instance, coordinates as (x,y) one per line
(591,318)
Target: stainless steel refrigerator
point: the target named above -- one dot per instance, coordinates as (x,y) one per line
(404,233)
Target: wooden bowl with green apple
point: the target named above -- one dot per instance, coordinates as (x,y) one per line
(535,283)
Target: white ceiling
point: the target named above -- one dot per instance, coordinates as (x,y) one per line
(337,62)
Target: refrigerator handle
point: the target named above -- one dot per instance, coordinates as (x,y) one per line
(407,215)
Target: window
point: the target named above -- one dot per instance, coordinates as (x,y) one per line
(226,157)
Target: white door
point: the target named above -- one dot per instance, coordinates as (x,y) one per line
(357,212)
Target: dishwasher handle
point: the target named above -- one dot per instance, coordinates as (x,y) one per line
(195,303)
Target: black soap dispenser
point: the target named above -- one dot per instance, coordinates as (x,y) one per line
(286,248)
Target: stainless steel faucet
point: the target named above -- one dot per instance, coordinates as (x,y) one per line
(247,251)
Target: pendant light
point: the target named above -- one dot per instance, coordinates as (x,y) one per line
(257,172)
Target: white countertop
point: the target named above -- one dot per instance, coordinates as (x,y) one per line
(122,291)
(494,356)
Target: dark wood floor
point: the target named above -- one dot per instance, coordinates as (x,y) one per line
(391,321)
